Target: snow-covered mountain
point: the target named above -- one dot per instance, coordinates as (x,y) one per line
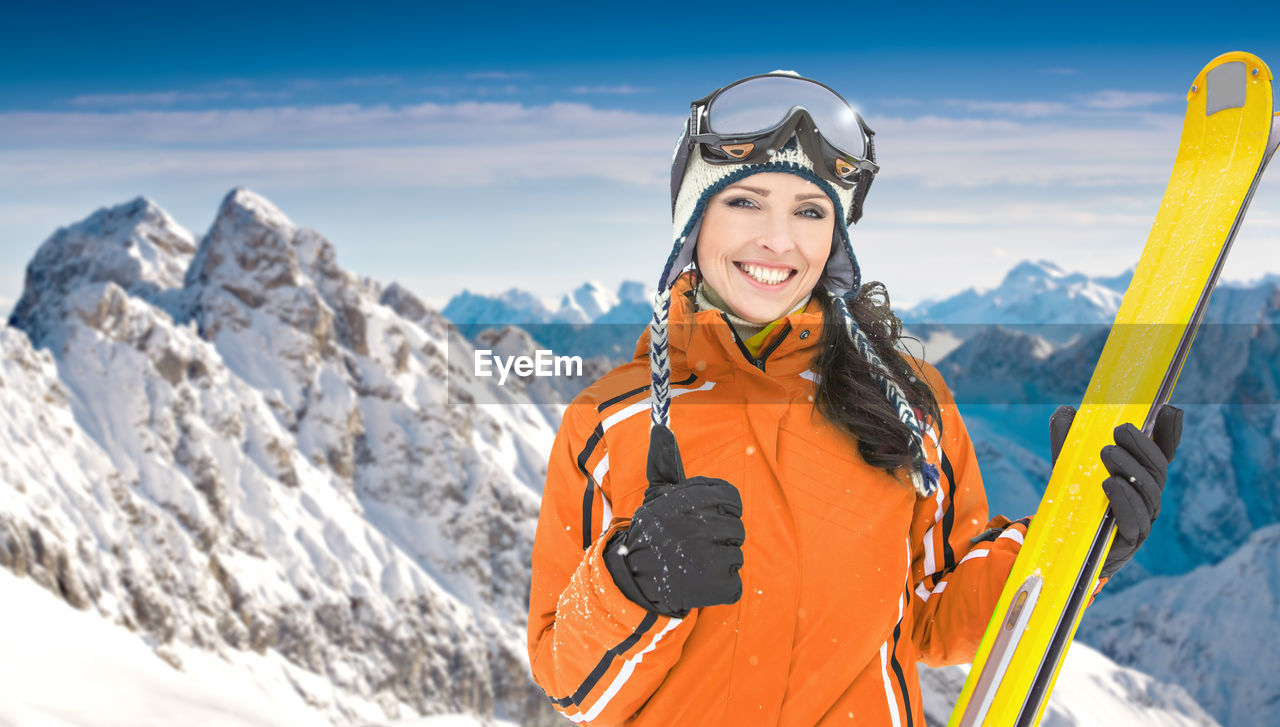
(590,301)
(548,394)
(1016,352)
(587,303)
(1211,630)
(1036,297)
(1224,483)
(239,447)
(1036,293)
(590,321)
(513,306)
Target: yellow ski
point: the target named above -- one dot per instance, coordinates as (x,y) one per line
(1229,134)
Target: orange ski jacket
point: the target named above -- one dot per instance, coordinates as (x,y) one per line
(849,577)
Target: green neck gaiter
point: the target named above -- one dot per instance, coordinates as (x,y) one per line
(705,298)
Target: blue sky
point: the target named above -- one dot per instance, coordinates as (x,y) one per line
(473,145)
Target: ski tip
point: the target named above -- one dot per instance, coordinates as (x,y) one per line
(1253,67)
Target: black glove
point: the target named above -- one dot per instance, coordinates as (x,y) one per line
(1138,465)
(683,547)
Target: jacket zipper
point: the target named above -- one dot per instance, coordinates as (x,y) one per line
(758,362)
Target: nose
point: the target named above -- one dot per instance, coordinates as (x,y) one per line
(777,235)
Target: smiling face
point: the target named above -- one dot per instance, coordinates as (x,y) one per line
(764,242)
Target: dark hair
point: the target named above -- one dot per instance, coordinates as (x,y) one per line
(850,397)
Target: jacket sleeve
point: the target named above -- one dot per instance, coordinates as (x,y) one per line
(596,655)
(960,559)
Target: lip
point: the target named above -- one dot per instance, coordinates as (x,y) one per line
(763,286)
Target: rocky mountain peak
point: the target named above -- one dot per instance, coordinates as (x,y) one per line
(1032,292)
(634,291)
(135,245)
(243,206)
(591,298)
(248,250)
(1033,269)
(284,478)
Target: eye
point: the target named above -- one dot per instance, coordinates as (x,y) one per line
(742,202)
(813,212)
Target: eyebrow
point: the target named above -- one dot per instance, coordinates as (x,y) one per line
(765,192)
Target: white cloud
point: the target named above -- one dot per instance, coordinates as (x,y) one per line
(1125,100)
(472,142)
(938,152)
(1080,189)
(1003,214)
(1262,218)
(332,125)
(481,142)
(495,75)
(368,81)
(1081,105)
(225,91)
(155,98)
(899,101)
(1019,109)
(633,159)
(506,90)
(620,89)
(313,84)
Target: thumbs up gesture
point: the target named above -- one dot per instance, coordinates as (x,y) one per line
(683,548)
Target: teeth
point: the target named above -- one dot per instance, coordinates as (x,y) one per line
(768,276)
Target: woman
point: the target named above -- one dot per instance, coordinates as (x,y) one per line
(836,531)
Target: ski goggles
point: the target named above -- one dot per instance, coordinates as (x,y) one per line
(749,120)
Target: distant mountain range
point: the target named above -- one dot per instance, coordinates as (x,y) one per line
(584,304)
(590,321)
(1013,353)
(1033,293)
(1037,296)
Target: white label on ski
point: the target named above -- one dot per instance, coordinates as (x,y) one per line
(1224,87)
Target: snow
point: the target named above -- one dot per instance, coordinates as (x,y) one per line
(1091,691)
(1094,692)
(585,304)
(273,477)
(119,680)
(75,670)
(1032,293)
(1212,629)
(450,720)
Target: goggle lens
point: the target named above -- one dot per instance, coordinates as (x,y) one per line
(762,103)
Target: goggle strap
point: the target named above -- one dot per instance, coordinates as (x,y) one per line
(859,194)
(684,147)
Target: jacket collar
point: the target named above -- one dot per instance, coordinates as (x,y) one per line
(703,343)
